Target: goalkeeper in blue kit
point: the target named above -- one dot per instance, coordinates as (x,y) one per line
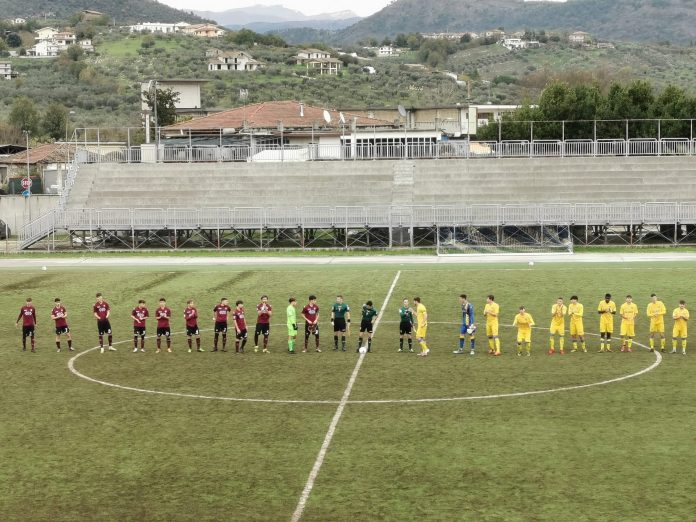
(468,326)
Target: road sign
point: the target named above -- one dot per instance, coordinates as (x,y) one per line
(26,193)
(26,183)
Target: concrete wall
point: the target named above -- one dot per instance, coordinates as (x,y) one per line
(16,210)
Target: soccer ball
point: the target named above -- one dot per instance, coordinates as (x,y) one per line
(531,263)
(362,349)
(471,329)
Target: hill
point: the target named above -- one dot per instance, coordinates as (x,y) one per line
(275,14)
(121,11)
(619,20)
(279,27)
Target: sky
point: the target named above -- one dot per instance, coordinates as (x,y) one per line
(308,7)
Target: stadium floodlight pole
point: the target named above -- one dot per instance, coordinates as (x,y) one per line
(154,109)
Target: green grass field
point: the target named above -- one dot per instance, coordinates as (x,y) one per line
(77,450)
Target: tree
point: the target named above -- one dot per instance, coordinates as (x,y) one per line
(13,40)
(24,115)
(401,40)
(54,121)
(74,52)
(166,105)
(148,41)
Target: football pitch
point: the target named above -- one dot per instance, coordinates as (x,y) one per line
(336,435)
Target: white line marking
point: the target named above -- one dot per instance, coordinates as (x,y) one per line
(301,504)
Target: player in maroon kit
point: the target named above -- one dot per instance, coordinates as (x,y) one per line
(139,315)
(163,314)
(60,315)
(102,311)
(220,314)
(263,323)
(240,327)
(28,316)
(311,315)
(191,318)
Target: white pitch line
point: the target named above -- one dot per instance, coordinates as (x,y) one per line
(304,497)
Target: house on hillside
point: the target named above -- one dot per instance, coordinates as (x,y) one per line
(45,33)
(495,33)
(514,44)
(90,16)
(579,37)
(51,43)
(233,61)
(318,61)
(18,21)
(204,31)
(43,49)
(6,71)
(158,27)
(213,53)
(387,50)
(189,104)
(64,39)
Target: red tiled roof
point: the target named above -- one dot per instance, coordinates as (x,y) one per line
(49,153)
(268,115)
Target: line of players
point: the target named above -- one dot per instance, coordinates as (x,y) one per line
(222,312)
(606,309)
(340,320)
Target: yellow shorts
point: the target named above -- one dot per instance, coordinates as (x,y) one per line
(628,329)
(577,329)
(606,324)
(524,336)
(421,332)
(679,332)
(492,330)
(557,329)
(657,326)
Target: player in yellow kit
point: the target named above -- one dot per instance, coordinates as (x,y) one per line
(606,310)
(524,322)
(628,313)
(491,311)
(558,313)
(680,316)
(577,328)
(421,326)
(656,312)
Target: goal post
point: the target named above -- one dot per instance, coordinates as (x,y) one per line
(504,239)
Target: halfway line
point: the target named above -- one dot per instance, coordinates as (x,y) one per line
(301,504)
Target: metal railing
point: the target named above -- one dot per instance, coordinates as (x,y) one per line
(452,149)
(351,217)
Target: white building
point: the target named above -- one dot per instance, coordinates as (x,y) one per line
(18,21)
(158,27)
(86,45)
(387,50)
(6,71)
(233,61)
(45,33)
(578,37)
(44,49)
(514,44)
(305,55)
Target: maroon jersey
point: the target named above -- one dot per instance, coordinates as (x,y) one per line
(264,313)
(140,315)
(163,315)
(221,313)
(28,315)
(101,309)
(239,320)
(310,313)
(191,317)
(59,313)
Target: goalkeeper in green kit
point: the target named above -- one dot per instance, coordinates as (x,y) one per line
(292,324)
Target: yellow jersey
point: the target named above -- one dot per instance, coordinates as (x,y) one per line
(421,313)
(680,316)
(576,311)
(628,312)
(606,308)
(558,313)
(491,311)
(656,310)
(523,321)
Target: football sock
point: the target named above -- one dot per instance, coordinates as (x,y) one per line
(461,342)
(519,347)
(663,342)
(265,342)
(529,347)
(629,343)
(198,342)
(316,341)
(601,345)
(215,341)
(135,341)
(256,339)
(683,345)
(224,341)
(423,346)
(69,343)
(111,339)
(674,344)
(473,343)
(306,341)
(244,341)
(169,342)
(336,342)
(491,344)
(561,342)
(236,346)
(652,343)
(32,342)
(190,344)
(575,345)
(343,342)
(369,344)
(410,344)
(58,344)
(291,345)
(142,342)
(497,345)
(159,343)
(101,341)
(552,343)
(24,342)
(359,342)
(401,344)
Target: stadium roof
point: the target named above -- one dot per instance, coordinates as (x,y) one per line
(269,115)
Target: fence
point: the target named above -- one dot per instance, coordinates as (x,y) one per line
(454,149)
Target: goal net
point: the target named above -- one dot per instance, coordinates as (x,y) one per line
(467,240)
